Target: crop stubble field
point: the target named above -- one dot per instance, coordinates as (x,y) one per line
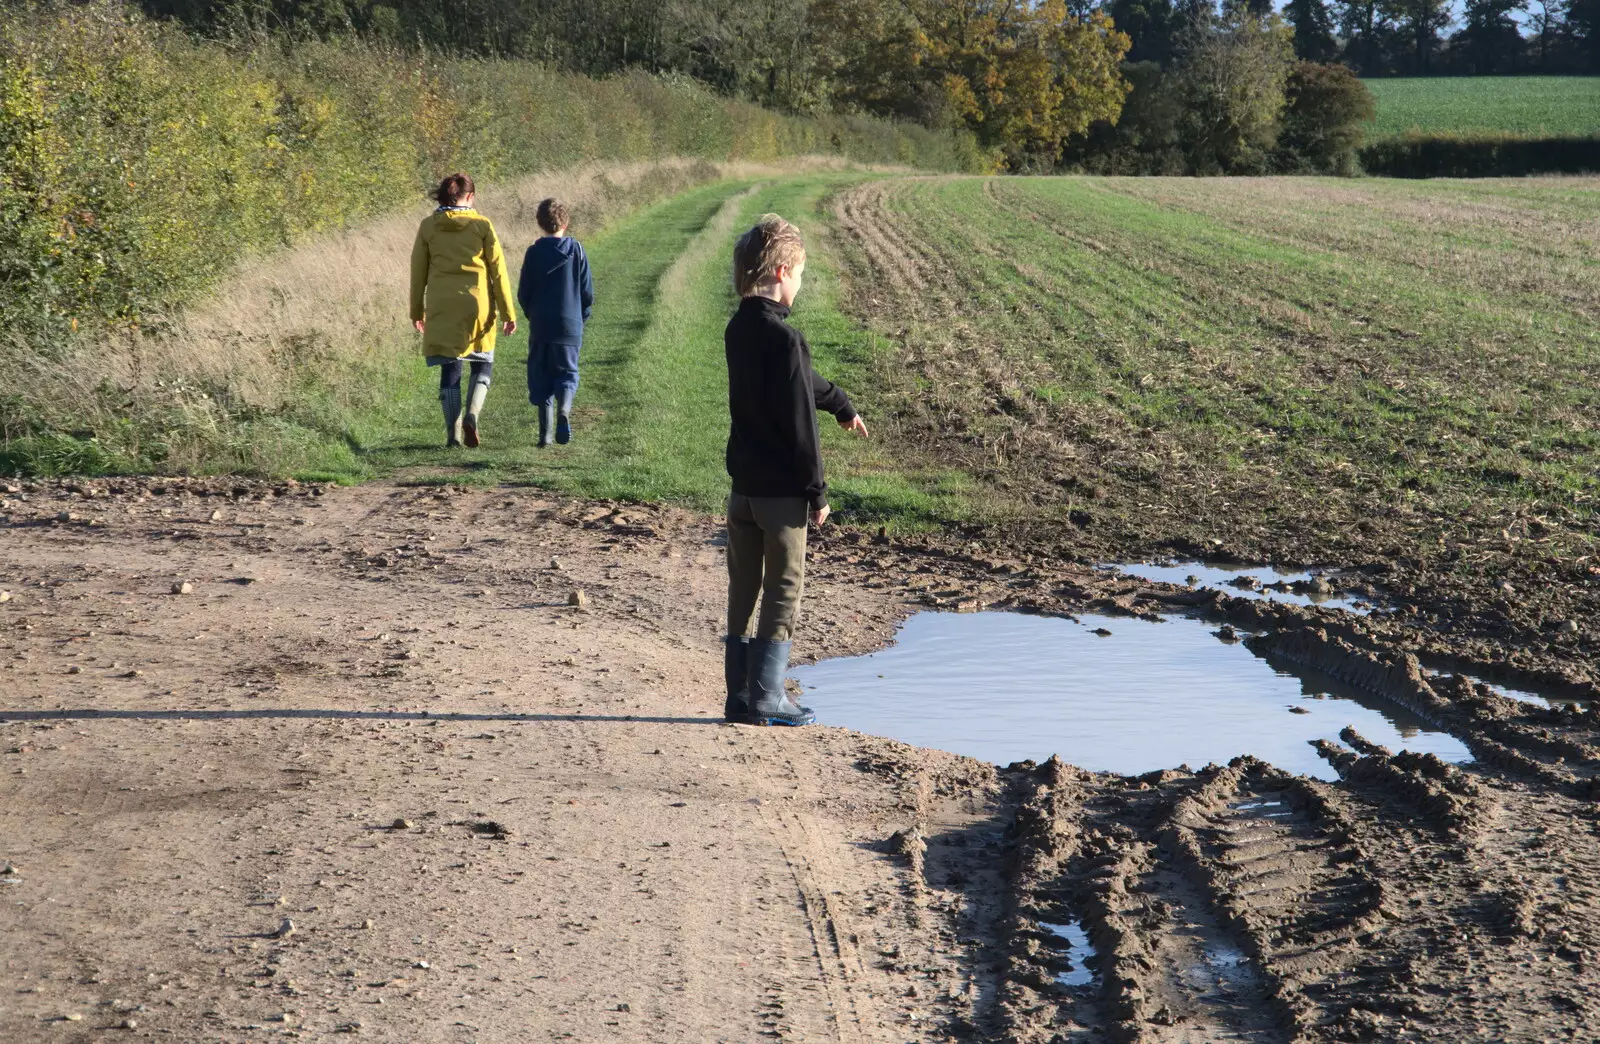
(1383,375)
(1393,378)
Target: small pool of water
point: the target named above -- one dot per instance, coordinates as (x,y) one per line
(1076,942)
(1226,578)
(1004,687)
(1538,699)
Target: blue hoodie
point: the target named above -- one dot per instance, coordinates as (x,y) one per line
(555,291)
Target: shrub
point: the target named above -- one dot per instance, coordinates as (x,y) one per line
(1329,109)
(136,163)
(1480,156)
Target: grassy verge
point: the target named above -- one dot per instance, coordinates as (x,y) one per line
(651,415)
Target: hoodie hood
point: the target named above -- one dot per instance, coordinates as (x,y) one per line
(455,218)
(556,250)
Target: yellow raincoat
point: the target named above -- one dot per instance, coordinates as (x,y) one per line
(459,283)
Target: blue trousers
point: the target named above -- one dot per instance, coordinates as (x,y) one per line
(552,374)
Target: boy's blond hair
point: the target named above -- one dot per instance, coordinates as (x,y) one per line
(771,243)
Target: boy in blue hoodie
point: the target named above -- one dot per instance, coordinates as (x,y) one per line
(557,296)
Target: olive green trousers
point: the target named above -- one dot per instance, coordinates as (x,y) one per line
(766,563)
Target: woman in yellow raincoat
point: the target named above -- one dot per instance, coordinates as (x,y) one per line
(459,293)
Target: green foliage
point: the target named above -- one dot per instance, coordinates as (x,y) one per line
(1231,81)
(1532,106)
(1480,156)
(136,163)
(1326,119)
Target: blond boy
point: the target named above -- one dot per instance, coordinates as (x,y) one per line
(775,461)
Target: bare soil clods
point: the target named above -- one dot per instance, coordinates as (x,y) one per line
(377,716)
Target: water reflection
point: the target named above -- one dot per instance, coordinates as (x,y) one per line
(1006,686)
(1267,582)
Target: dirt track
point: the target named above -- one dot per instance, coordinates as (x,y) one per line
(493,816)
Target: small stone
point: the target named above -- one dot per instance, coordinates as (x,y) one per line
(72,1017)
(128,1024)
(1102,632)
(1298,710)
(182,588)
(68,516)
(555,563)
(285,929)
(74,669)
(421,964)
(401,824)
(216,516)
(578,598)
(1507,590)
(1569,627)
(367,924)
(5,596)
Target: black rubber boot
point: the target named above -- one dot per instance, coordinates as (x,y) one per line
(563,428)
(547,418)
(769,703)
(735,670)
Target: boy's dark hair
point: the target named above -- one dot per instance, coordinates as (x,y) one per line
(553,215)
(453,190)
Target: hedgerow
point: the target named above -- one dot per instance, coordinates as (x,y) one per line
(138,163)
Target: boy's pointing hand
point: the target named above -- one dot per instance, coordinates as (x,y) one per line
(855,424)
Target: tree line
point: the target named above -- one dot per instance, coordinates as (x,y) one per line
(1039,83)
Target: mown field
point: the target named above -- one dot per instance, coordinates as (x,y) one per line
(651,413)
(1524,105)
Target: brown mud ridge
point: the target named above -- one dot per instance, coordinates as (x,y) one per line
(279,760)
(1515,586)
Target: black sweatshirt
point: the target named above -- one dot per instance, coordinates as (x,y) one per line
(773,399)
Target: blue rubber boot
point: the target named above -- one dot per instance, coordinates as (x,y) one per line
(547,414)
(736,670)
(769,703)
(563,428)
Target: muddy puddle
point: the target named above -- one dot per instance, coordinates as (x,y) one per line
(1107,694)
(1073,943)
(1326,588)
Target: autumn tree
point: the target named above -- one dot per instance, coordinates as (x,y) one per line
(1025,76)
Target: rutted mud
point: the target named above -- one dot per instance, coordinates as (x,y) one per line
(858,889)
